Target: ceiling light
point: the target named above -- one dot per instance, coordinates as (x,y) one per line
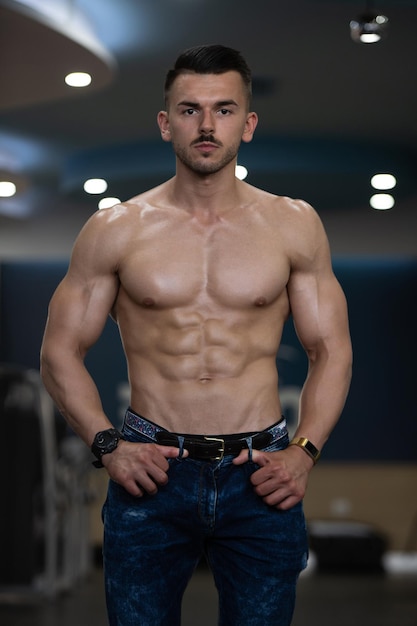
(95,185)
(107,203)
(369,27)
(78,79)
(7,189)
(382,201)
(241,172)
(383,181)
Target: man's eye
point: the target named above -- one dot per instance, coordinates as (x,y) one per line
(189,111)
(224,111)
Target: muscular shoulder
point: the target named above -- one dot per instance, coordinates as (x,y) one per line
(99,230)
(299,218)
(293,217)
(297,225)
(289,211)
(306,238)
(106,234)
(99,244)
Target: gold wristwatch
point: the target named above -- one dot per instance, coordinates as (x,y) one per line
(307,446)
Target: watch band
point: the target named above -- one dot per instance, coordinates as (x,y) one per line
(307,446)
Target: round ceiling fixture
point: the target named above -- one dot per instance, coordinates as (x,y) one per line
(7,189)
(95,185)
(78,79)
(370,27)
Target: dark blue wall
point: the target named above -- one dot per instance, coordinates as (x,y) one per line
(379,422)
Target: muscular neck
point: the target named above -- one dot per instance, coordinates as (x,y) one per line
(210,196)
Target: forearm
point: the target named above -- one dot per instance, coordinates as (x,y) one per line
(323,396)
(74,392)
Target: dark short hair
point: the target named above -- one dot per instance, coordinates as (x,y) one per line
(210,59)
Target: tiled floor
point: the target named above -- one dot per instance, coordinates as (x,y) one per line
(323,600)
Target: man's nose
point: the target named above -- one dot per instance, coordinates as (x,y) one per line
(206,123)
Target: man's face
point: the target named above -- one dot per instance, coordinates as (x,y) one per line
(206,120)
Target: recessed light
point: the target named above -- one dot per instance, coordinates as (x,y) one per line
(368,28)
(383,181)
(241,172)
(107,203)
(78,79)
(95,185)
(382,201)
(7,189)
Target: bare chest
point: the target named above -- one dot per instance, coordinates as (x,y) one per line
(232,267)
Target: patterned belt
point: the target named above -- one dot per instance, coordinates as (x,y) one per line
(208,448)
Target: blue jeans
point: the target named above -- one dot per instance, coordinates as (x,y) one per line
(153,544)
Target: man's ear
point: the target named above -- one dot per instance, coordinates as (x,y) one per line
(163,124)
(250,125)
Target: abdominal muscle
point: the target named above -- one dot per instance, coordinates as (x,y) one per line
(203,373)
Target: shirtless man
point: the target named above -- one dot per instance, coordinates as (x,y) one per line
(200,275)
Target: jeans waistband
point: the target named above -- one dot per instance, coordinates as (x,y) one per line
(212,447)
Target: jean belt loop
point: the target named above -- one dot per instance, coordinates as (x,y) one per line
(250,448)
(181,446)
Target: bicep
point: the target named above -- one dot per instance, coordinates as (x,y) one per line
(82,302)
(317,301)
(319,310)
(78,312)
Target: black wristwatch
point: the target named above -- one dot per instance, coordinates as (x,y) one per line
(105,442)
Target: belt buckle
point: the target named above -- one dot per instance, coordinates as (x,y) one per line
(220,456)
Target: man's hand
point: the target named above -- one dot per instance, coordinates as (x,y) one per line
(140,467)
(282,478)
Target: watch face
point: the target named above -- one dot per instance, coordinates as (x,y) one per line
(105,441)
(310,447)
(104,438)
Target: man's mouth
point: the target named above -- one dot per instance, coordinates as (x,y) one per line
(206,141)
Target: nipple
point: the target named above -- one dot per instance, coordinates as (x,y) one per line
(148,302)
(261,301)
